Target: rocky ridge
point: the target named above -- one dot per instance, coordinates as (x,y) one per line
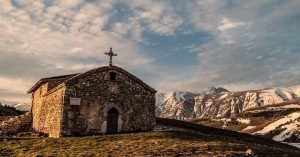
(175,105)
(273,112)
(214,103)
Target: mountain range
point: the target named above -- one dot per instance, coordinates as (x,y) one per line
(272,112)
(218,102)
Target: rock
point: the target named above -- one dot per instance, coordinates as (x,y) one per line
(249,152)
(21,123)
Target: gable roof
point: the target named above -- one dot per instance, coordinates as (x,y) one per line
(48,79)
(68,79)
(106,68)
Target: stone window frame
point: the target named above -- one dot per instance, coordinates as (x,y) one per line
(120,121)
(108,76)
(112,76)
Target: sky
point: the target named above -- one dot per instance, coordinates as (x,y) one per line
(171,44)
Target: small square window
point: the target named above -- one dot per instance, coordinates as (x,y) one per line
(112,76)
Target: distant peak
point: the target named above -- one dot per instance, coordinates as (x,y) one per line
(215,90)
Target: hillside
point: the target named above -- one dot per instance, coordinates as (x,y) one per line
(280,122)
(177,139)
(272,112)
(21,106)
(9,111)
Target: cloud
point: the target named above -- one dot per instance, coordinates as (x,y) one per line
(148,16)
(12,90)
(228,24)
(236,44)
(16,85)
(249,48)
(42,40)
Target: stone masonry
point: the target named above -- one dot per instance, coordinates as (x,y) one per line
(100,91)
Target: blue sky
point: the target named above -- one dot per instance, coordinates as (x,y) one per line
(171,45)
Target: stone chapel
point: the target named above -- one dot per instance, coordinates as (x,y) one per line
(103,100)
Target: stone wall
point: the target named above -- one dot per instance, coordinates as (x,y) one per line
(47,110)
(37,107)
(53,110)
(134,102)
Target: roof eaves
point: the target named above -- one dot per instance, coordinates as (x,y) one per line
(43,80)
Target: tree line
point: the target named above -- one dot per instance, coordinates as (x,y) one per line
(9,107)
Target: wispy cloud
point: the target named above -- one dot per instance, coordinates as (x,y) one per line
(180,45)
(250,46)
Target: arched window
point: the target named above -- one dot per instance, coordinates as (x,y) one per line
(112,76)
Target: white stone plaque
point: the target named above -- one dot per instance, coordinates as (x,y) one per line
(75,101)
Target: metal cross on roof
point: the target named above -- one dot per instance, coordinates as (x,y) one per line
(110,54)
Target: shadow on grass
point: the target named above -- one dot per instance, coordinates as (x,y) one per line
(226,134)
(6,152)
(17,138)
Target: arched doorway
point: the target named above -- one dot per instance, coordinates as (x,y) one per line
(112,121)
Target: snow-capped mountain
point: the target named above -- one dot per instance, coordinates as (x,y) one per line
(273,112)
(180,105)
(280,122)
(232,103)
(22,106)
(176,105)
(215,90)
(219,102)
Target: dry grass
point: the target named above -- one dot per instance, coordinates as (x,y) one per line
(137,144)
(192,140)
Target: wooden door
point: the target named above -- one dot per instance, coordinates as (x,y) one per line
(112,121)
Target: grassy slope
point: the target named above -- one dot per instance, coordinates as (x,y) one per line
(201,141)
(137,144)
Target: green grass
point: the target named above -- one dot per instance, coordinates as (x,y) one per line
(135,144)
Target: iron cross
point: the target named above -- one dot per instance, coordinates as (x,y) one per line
(110,54)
